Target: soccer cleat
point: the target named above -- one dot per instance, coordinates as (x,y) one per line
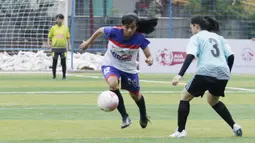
(237,130)
(144,122)
(178,134)
(64,78)
(53,77)
(126,122)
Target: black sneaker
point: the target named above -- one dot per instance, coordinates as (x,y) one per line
(144,122)
(126,122)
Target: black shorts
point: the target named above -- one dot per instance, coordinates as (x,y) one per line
(56,54)
(199,84)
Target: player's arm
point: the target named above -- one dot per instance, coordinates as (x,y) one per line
(231,60)
(229,55)
(146,50)
(50,35)
(95,35)
(68,39)
(192,52)
(189,58)
(69,43)
(147,53)
(49,42)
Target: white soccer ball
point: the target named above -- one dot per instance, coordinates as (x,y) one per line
(107,101)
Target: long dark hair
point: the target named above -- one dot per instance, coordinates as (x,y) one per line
(206,23)
(60,16)
(143,25)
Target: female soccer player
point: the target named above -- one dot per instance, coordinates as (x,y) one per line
(215,61)
(57,38)
(120,63)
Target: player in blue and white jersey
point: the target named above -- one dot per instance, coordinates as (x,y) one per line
(120,60)
(215,61)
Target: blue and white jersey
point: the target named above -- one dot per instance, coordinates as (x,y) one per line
(212,52)
(121,53)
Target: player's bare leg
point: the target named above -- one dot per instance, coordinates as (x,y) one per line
(222,110)
(183,112)
(139,99)
(113,83)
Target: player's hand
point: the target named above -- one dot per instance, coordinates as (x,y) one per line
(234,2)
(176,80)
(149,60)
(49,45)
(84,45)
(69,48)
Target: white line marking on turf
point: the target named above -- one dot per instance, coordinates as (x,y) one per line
(168,82)
(97,92)
(182,83)
(102,139)
(170,106)
(241,89)
(25,72)
(97,77)
(90,106)
(153,81)
(100,77)
(81,92)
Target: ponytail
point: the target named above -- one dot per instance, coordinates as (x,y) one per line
(145,26)
(213,25)
(206,23)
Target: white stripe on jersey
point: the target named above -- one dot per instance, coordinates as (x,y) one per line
(123,59)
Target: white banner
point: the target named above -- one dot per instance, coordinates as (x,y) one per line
(244,51)
(169,55)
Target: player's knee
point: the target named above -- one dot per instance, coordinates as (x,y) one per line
(212,100)
(186,96)
(113,85)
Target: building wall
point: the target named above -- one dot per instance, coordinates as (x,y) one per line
(121,7)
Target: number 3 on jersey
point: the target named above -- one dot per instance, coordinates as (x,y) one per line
(216,51)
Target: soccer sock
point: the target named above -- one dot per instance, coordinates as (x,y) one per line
(142,108)
(63,64)
(54,67)
(121,107)
(222,110)
(183,113)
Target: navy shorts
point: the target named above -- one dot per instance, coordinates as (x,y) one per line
(129,81)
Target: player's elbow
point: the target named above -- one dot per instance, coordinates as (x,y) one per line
(101,30)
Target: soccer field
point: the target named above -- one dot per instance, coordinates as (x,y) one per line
(35,108)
